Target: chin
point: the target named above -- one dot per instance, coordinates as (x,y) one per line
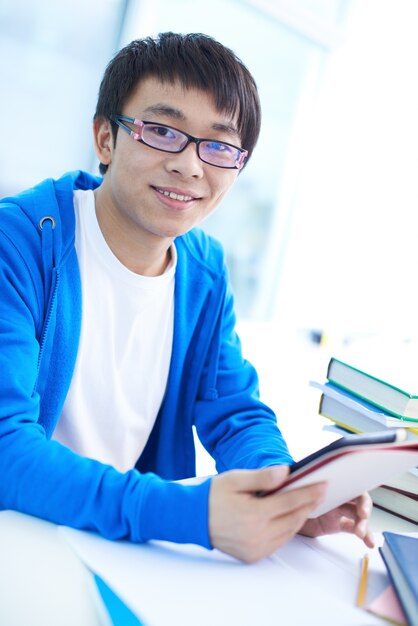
(176,230)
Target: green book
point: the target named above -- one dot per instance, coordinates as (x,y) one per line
(394,394)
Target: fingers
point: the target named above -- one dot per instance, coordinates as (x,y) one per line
(369,540)
(290,523)
(364,505)
(257,537)
(277,534)
(250,527)
(366,535)
(352,517)
(287,512)
(358,521)
(358,528)
(281,503)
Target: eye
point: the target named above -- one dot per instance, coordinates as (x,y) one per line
(219,147)
(163,132)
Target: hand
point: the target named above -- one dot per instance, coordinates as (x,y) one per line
(250,527)
(351,517)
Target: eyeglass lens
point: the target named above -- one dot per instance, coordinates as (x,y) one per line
(172,140)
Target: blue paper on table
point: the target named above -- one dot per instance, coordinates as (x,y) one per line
(119,613)
(400,554)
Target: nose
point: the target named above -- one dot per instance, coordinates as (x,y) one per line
(186,163)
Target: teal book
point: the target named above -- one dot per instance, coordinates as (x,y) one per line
(400,554)
(356,414)
(394,388)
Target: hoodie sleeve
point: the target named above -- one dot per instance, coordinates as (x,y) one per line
(236,428)
(43,478)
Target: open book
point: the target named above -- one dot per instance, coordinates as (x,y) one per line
(353,465)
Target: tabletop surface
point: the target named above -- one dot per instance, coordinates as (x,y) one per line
(44,583)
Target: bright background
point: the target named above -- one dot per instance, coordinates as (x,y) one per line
(321,229)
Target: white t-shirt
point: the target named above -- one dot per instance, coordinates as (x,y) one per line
(124,353)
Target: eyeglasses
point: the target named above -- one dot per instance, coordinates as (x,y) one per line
(169,139)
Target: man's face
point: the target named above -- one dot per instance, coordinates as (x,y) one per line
(139,178)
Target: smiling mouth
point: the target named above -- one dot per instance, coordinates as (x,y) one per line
(175,196)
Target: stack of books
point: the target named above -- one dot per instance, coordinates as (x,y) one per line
(356,401)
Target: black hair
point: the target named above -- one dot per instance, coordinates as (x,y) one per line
(194,60)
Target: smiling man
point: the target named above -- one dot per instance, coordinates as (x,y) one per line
(117,324)
(177,189)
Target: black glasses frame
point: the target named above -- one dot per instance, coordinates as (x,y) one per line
(121,119)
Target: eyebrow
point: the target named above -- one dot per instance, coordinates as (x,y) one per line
(165,109)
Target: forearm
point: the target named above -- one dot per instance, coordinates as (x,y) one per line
(45,479)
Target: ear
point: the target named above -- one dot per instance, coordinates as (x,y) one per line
(103,140)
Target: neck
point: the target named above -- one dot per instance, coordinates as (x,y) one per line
(147,256)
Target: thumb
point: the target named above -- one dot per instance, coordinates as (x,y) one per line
(261,480)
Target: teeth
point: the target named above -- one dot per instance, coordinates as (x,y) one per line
(175,196)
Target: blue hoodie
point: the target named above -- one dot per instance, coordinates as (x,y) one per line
(210,385)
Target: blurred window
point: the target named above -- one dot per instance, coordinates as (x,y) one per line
(52,55)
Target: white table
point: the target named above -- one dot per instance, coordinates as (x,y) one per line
(43,583)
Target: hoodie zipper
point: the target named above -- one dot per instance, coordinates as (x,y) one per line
(51,277)
(55,281)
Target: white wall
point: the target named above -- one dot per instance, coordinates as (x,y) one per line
(353,248)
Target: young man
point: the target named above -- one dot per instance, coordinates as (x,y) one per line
(117,324)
